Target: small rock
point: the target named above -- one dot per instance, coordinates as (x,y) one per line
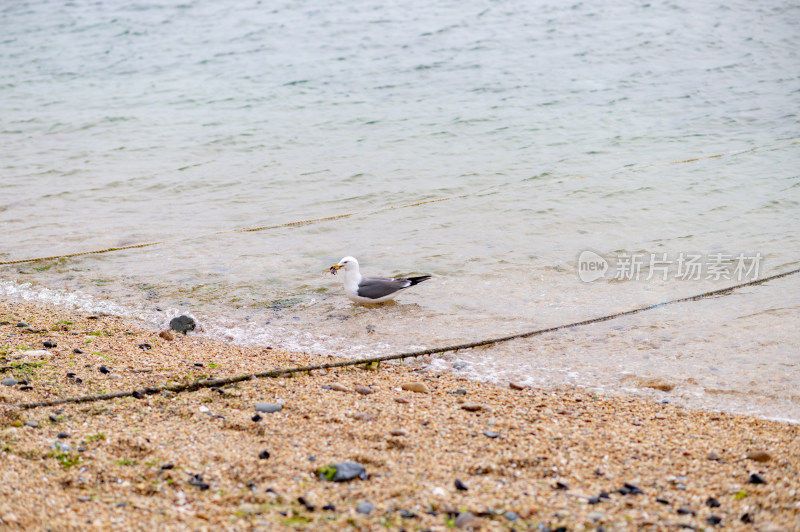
(197,482)
(182,324)
(49,344)
(595,516)
(77,351)
(166,335)
(490,434)
(759,456)
(344,471)
(308,506)
(104,369)
(516,386)
(417,387)
(401,400)
(145,347)
(22,324)
(61,446)
(714,520)
(9,382)
(167,467)
(465,519)
(561,486)
(364,390)
(472,407)
(365,508)
(511,516)
(32,423)
(405,514)
(269,408)
(460,365)
(755,478)
(711,502)
(62,435)
(136,394)
(630,489)
(336,387)
(398,432)
(53,418)
(365,416)
(746,518)
(460,485)
(686,511)
(329,508)
(256,418)
(263,454)
(713,456)
(114,377)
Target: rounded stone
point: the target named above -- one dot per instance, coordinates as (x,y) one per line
(365,508)
(417,387)
(269,408)
(182,324)
(9,382)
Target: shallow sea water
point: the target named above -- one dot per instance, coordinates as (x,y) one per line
(546,129)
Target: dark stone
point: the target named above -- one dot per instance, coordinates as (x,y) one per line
(365,508)
(256,418)
(122,504)
(593,500)
(62,435)
(218,390)
(26,388)
(77,351)
(460,485)
(104,369)
(329,507)
(662,501)
(52,418)
(629,489)
(309,507)
(714,520)
(561,486)
(49,344)
(312,458)
(746,518)
(22,324)
(145,347)
(686,511)
(182,324)
(712,502)
(197,482)
(490,434)
(755,478)
(198,364)
(511,516)
(70,375)
(405,514)
(137,394)
(167,467)
(78,380)
(263,454)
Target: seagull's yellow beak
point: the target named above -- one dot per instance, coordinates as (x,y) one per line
(333,269)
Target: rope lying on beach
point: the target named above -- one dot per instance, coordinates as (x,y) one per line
(382,209)
(216,383)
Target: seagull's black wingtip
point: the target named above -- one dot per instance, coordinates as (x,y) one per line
(419,279)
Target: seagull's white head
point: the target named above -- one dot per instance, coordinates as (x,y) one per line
(349,264)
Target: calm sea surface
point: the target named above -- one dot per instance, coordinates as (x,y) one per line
(551,129)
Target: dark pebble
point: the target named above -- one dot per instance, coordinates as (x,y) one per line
(511,516)
(755,478)
(62,435)
(686,511)
(460,485)
(78,380)
(309,507)
(70,375)
(712,502)
(630,489)
(312,458)
(662,501)
(137,394)
(218,390)
(745,518)
(198,364)
(329,507)
(145,347)
(22,324)
(81,449)
(256,418)
(561,486)
(26,388)
(167,467)
(365,508)
(197,482)
(104,369)
(182,324)
(77,351)
(490,434)
(49,344)
(593,500)
(714,520)
(405,514)
(263,454)
(52,418)
(604,495)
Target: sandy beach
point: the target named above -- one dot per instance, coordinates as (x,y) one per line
(437,451)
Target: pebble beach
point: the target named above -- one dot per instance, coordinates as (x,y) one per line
(392,446)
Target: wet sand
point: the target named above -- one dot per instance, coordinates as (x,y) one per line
(456,453)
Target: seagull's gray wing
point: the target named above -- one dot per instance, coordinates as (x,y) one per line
(378,287)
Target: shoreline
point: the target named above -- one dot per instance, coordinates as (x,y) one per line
(206,459)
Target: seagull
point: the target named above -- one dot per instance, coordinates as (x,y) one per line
(370,290)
